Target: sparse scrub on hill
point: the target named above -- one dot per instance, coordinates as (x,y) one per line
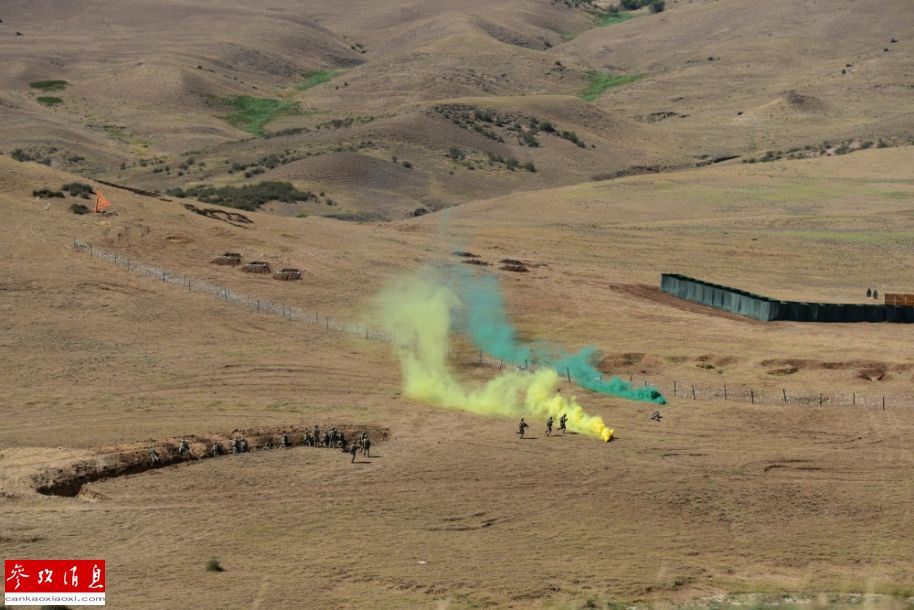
(49,100)
(49,85)
(658,6)
(252,113)
(213,565)
(40,155)
(314,78)
(247,197)
(289,131)
(826,148)
(600,82)
(345,122)
(525,128)
(79,209)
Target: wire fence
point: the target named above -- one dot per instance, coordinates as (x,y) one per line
(672,389)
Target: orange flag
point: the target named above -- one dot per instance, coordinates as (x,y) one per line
(101,202)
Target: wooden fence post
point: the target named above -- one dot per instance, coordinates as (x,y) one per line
(783,391)
(883,403)
(693,392)
(820,399)
(751,396)
(568,374)
(725,391)
(674,387)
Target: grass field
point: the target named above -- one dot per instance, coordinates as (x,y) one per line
(316,77)
(385,163)
(719,497)
(605,19)
(253,113)
(599,83)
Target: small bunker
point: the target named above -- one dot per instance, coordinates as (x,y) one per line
(230,259)
(288,274)
(256,267)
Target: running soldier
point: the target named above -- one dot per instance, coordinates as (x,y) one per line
(366,447)
(522,426)
(352,451)
(562,421)
(549,426)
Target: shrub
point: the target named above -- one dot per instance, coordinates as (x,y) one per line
(49,100)
(407,165)
(657,6)
(213,565)
(632,5)
(49,85)
(247,197)
(20,155)
(78,208)
(528,139)
(455,153)
(46,193)
(530,167)
(78,189)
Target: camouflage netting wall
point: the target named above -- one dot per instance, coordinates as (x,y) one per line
(766,309)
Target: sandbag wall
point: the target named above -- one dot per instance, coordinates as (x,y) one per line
(763,308)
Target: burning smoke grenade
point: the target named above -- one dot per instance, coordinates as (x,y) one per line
(417,313)
(487,325)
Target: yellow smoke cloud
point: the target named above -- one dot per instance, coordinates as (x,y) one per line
(416,313)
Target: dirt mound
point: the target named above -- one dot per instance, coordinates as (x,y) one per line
(138,457)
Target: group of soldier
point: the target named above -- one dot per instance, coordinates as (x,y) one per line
(312,438)
(563,421)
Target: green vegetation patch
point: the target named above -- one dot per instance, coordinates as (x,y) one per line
(49,85)
(609,18)
(49,100)
(252,113)
(314,78)
(247,197)
(600,82)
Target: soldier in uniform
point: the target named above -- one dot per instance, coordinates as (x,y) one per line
(285,440)
(153,456)
(655,416)
(549,426)
(522,426)
(243,445)
(183,448)
(327,439)
(317,435)
(366,447)
(352,451)
(217,449)
(562,421)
